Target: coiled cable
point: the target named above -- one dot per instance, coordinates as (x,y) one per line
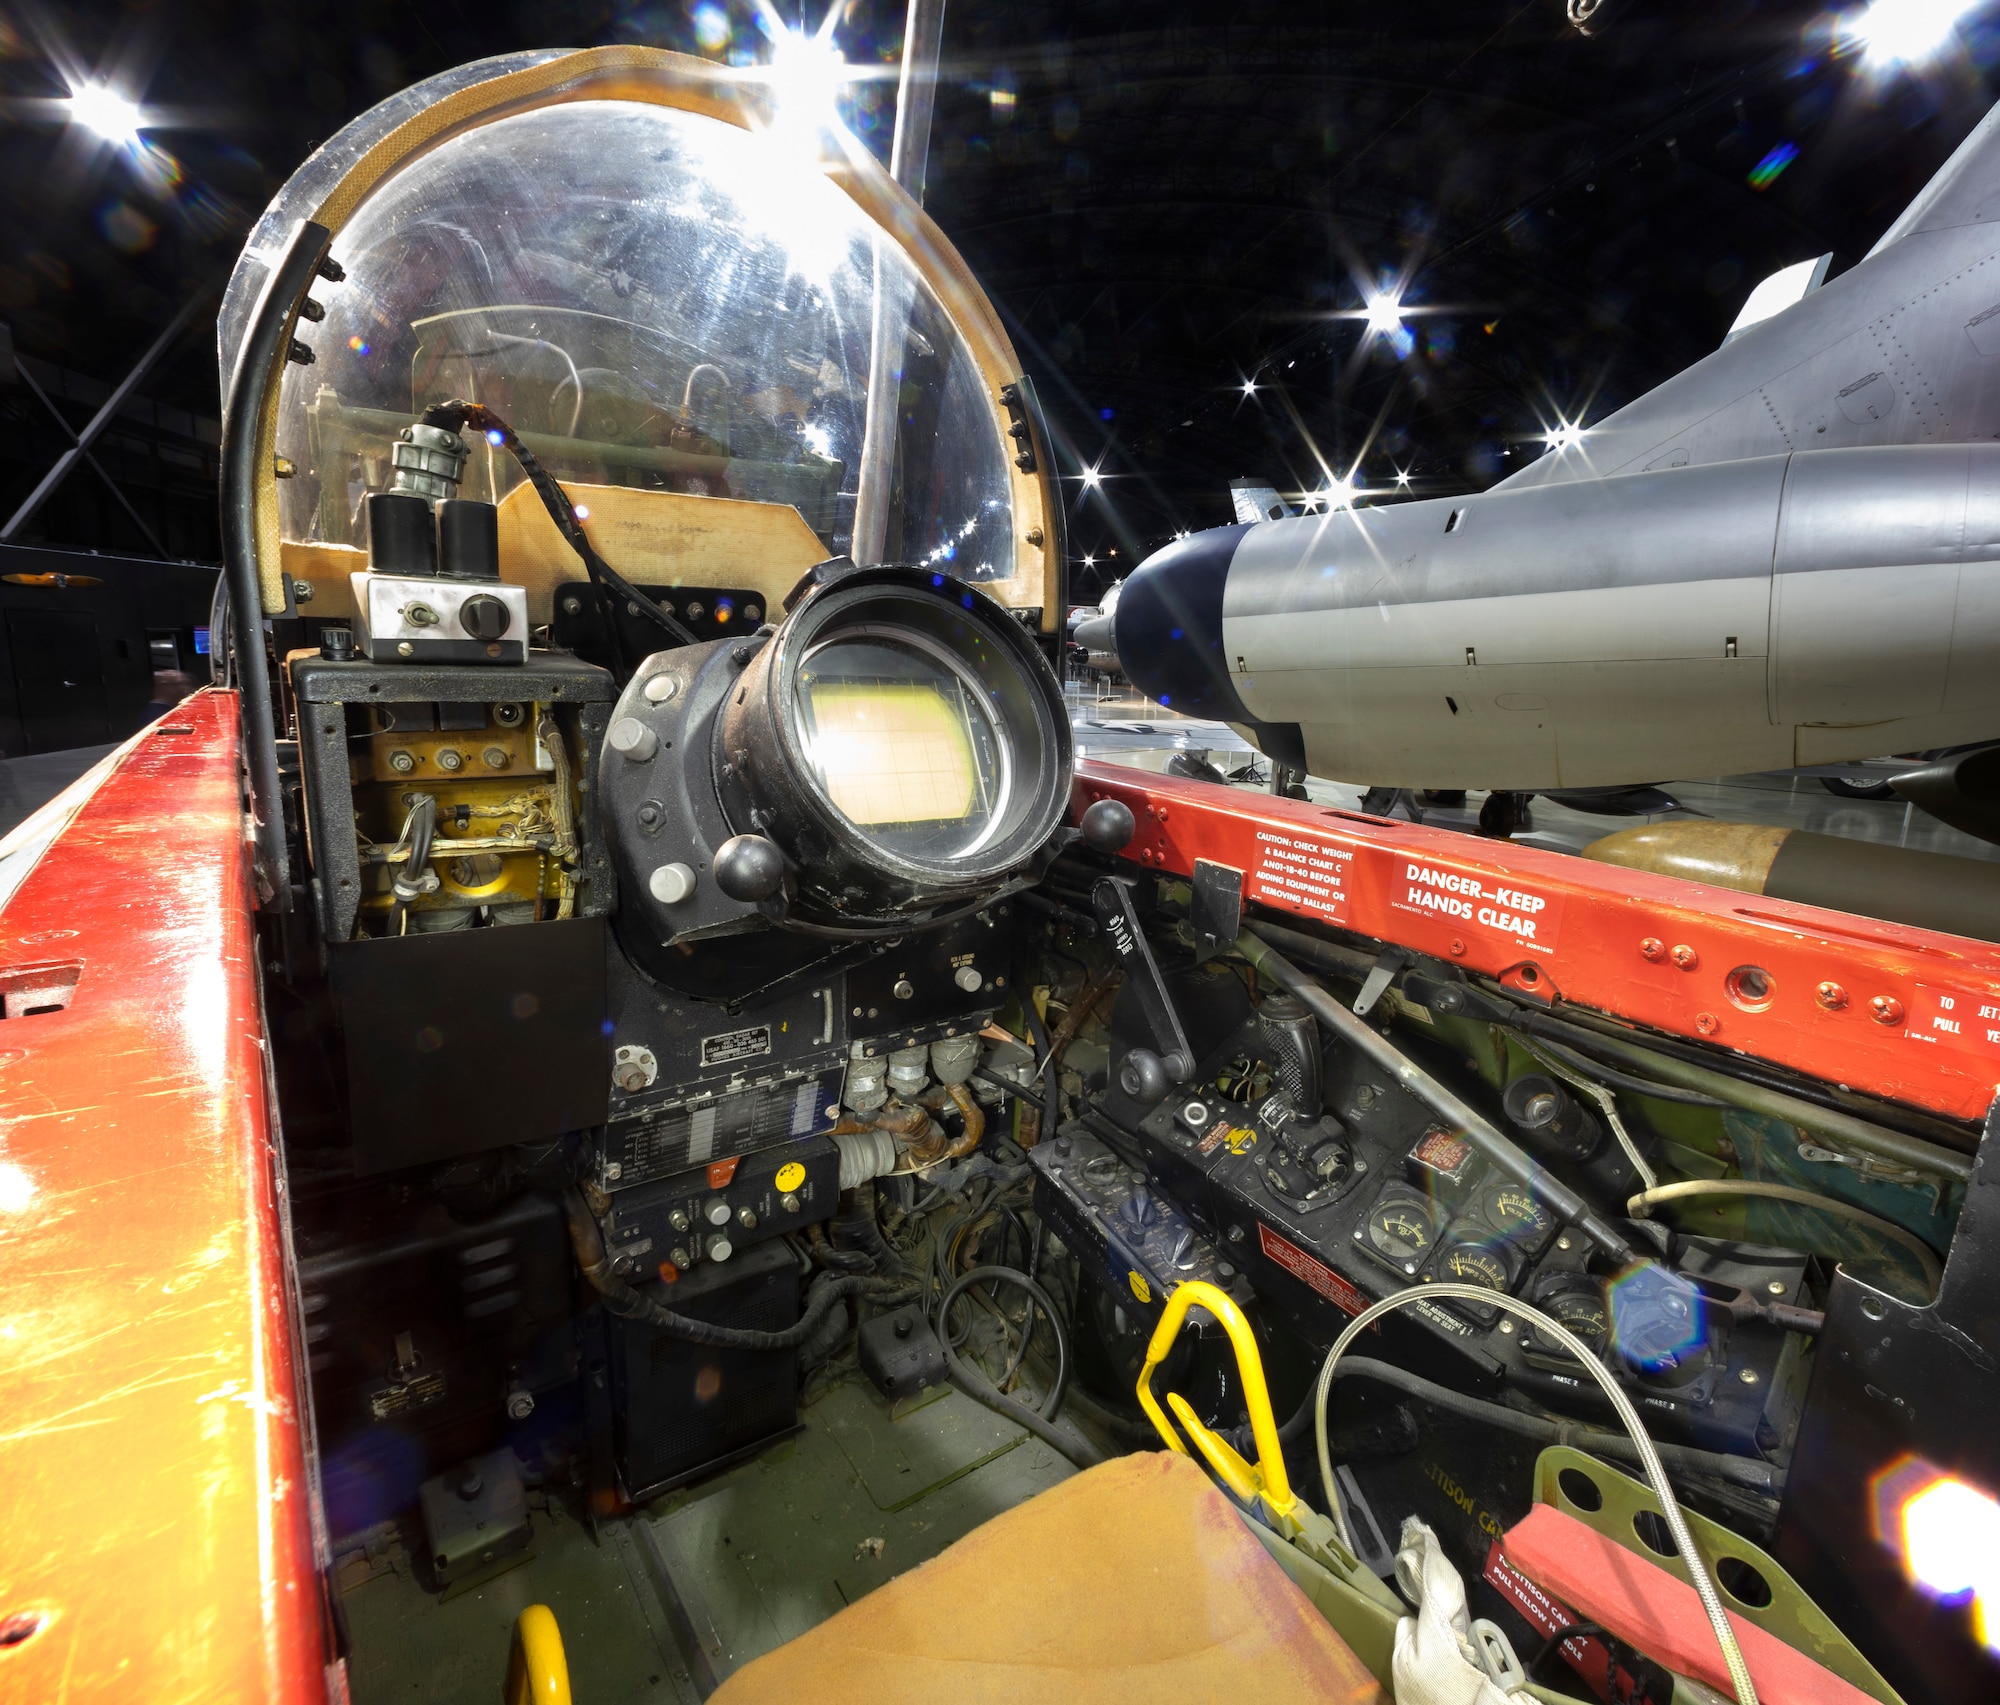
(977,1386)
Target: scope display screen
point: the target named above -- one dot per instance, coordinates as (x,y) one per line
(904,745)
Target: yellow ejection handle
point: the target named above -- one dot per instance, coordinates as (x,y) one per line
(537,1671)
(1266,1478)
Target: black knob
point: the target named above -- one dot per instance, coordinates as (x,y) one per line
(1109,825)
(1143,1077)
(484,617)
(336,645)
(749,867)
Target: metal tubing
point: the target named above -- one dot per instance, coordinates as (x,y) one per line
(916,94)
(266,339)
(97,467)
(1487,1138)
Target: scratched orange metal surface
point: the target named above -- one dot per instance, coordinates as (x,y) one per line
(1904,1013)
(154,1498)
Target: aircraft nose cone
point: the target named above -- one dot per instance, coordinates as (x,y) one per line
(1169,626)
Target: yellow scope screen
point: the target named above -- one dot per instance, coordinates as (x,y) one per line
(892,751)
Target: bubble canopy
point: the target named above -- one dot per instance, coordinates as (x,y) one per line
(657,299)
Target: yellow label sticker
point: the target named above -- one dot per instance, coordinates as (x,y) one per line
(791,1175)
(1140,1289)
(1241,1140)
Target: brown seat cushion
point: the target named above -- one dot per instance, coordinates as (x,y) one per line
(1134,1581)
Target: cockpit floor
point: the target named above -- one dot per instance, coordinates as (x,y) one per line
(674,1598)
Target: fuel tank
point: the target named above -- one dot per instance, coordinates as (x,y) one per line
(1735,616)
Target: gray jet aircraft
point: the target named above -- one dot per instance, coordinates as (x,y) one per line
(1788,554)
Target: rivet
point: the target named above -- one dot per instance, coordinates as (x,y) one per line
(1886,1009)
(1707,1023)
(1685,957)
(1652,948)
(1831,996)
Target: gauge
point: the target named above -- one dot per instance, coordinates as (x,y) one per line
(1473,1264)
(1400,1230)
(1512,1211)
(1578,1304)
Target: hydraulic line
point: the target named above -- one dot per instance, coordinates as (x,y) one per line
(821,1297)
(1692,1188)
(1649,1454)
(975,1384)
(1502,1151)
(253,387)
(1745,1471)
(1051,1081)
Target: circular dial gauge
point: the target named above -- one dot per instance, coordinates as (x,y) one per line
(1470,1264)
(1514,1213)
(1402,1229)
(1582,1311)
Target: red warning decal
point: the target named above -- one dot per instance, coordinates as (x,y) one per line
(1954,1018)
(1476,903)
(1316,1273)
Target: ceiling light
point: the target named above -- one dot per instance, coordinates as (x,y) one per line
(806,74)
(1385,314)
(1566,434)
(1089,561)
(1402,476)
(1340,494)
(1904,32)
(1092,479)
(100,108)
(1249,387)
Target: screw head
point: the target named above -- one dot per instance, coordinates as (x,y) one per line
(1886,1009)
(1457,948)
(1685,957)
(1707,1023)
(1831,996)
(450,760)
(1652,947)
(402,763)
(1776,1287)
(1748,1376)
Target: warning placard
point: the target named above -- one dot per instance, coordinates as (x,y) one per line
(1961,1019)
(1316,1273)
(1301,873)
(1475,903)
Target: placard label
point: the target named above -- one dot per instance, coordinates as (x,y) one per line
(1302,874)
(1960,1019)
(1316,1273)
(1478,903)
(736,1045)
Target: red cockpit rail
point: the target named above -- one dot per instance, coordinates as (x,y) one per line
(154,1491)
(1907,1014)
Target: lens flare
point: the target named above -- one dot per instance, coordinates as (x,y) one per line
(1947,1534)
(1657,1318)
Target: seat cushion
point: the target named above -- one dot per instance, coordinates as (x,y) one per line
(1134,1580)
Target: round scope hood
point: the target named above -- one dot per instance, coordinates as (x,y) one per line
(903,741)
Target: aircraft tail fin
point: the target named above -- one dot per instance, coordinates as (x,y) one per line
(1257,500)
(1965,190)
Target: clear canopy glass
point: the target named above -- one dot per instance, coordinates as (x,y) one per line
(655,299)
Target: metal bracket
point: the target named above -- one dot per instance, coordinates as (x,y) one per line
(1216,916)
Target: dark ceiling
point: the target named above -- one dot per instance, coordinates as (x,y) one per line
(1166,201)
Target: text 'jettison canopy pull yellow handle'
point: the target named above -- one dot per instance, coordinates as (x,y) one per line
(1265,1478)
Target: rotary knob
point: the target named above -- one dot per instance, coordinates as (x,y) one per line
(484,616)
